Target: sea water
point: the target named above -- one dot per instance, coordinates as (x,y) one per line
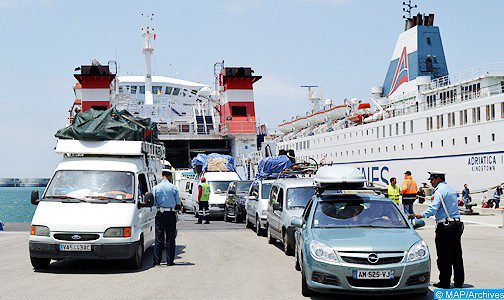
(15,205)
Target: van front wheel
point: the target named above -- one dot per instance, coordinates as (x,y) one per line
(135,262)
(40,263)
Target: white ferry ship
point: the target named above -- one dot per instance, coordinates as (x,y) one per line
(423,119)
(191,117)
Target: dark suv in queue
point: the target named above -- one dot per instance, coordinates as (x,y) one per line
(235,201)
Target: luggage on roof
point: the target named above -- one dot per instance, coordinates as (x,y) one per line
(111,124)
(272,166)
(214,162)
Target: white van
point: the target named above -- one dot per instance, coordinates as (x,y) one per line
(219,183)
(98,204)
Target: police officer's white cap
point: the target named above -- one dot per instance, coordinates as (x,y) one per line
(436,174)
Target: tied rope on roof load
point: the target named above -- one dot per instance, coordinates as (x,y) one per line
(213,162)
(111,124)
(272,167)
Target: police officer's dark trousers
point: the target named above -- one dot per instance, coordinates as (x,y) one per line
(166,232)
(449,253)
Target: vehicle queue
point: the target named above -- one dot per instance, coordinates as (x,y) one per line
(345,237)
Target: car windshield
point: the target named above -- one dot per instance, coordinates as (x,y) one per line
(71,185)
(243,186)
(357,212)
(266,188)
(219,186)
(298,197)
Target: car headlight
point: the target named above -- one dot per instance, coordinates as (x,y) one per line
(322,252)
(39,230)
(418,251)
(118,232)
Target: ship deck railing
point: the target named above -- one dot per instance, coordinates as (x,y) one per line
(488,69)
(238,127)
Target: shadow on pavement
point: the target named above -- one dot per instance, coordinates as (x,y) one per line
(429,295)
(84,266)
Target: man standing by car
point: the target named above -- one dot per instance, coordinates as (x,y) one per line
(393,191)
(449,230)
(409,192)
(167,201)
(203,197)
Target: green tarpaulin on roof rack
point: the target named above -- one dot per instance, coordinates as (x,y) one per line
(111,124)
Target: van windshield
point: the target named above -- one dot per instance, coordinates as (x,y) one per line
(357,213)
(243,186)
(298,197)
(69,185)
(222,186)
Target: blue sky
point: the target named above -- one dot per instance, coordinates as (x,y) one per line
(342,45)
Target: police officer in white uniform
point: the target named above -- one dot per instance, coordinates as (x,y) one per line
(449,230)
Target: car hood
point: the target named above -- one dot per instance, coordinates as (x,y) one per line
(83,217)
(367,239)
(217,199)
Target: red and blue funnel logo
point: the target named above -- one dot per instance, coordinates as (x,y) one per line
(401,74)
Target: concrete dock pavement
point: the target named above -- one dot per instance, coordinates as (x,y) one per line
(216,261)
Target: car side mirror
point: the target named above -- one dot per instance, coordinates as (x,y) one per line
(34,199)
(417,223)
(297,222)
(148,200)
(277,206)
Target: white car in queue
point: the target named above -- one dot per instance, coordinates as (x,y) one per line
(98,204)
(256,205)
(352,240)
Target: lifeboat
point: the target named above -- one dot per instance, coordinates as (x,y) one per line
(336,112)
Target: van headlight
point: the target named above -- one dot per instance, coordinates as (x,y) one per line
(418,251)
(118,232)
(322,252)
(39,230)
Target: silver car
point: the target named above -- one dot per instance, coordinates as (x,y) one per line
(288,199)
(359,242)
(256,205)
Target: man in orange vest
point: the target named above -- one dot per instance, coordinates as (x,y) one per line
(409,192)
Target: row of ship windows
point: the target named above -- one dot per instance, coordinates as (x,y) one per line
(394,148)
(467,92)
(156,89)
(463,117)
(400,128)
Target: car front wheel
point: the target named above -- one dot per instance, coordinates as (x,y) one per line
(40,263)
(287,248)
(135,262)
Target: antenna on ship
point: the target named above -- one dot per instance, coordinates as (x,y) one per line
(312,97)
(407,8)
(148,34)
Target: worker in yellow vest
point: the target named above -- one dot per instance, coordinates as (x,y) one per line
(203,197)
(393,191)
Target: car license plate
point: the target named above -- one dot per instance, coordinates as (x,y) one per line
(373,274)
(75,247)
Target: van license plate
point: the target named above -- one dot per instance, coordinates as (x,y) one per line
(75,247)
(378,274)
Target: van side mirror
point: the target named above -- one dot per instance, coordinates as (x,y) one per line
(297,222)
(277,206)
(34,199)
(417,223)
(148,200)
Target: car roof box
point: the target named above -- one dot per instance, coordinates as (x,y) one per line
(339,177)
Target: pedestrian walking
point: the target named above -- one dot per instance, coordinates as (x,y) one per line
(449,231)
(394,193)
(496,196)
(203,197)
(409,191)
(466,194)
(167,201)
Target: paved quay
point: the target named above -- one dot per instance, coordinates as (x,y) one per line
(216,261)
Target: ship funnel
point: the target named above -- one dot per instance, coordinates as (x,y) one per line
(94,82)
(418,52)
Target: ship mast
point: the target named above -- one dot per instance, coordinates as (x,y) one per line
(148,34)
(312,97)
